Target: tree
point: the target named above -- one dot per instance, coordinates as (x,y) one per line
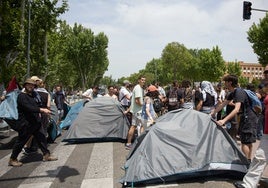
(176,57)
(258,36)
(44,18)
(212,65)
(10,36)
(87,53)
(233,68)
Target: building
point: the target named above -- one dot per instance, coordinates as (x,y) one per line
(252,70)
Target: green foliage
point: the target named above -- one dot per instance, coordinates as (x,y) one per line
(211,64)
(258,36)
(176,58)
(88,54)
(243,81)
(234,68)
(10,32)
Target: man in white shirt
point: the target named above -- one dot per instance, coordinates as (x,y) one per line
(125,95)
(135,109)
(91,93)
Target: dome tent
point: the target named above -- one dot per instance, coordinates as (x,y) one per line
(101,119)
(183,144)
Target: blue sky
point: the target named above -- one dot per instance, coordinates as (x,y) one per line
(138,30)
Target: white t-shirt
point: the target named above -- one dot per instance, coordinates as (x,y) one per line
(137,93)
(122,93)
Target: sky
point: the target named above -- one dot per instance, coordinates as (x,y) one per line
(139,30)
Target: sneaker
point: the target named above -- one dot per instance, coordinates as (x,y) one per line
(238,185)
(128,146)
(14,163)
(48,157)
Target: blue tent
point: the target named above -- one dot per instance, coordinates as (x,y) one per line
(72,114)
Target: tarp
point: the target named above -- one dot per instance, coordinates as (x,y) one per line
(8,108)
(101,119)
(183,144)
(72,115)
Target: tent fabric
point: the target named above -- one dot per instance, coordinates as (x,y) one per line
(183,144)
(8,108)
(101,119)
(71,115)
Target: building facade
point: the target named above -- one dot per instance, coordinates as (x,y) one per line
(252,70)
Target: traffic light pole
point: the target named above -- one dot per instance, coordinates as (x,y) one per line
(259,10)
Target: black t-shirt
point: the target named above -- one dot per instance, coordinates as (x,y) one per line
(229,108)
(210,100)
(248,118)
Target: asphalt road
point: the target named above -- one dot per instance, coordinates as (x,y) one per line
(89,165)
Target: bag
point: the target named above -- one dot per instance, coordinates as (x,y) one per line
(157,105)
(254,101)
(188,97)
(173,97)
(53,131)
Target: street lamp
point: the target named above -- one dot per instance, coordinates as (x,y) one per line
(29,37)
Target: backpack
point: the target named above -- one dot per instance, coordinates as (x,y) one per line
(254,101)
(188,96)
(173,97)
(157,104)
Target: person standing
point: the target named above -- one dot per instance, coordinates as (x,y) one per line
(173,97)
(148,113)
(59,100)
(207,98)
(111,93)
(29,121)
(135,109)
(248,118)
(260,159)
(125,99)
(91,93)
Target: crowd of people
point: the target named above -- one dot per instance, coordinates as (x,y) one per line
(143,103)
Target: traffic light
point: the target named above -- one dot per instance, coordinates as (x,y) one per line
(246,10)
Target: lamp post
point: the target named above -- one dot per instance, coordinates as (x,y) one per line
(29,37)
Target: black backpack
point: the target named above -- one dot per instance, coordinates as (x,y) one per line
(158,104)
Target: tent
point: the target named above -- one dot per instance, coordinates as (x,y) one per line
(183,144)
(71,115)
(101,119)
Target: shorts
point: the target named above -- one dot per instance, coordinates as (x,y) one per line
(136,119)
(247,138)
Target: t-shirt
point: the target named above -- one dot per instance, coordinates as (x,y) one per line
(248,119)
(137,93)
(122,93)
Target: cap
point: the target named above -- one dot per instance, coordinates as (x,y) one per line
(36,78)
(126,82)
(152,88)
(29,81)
